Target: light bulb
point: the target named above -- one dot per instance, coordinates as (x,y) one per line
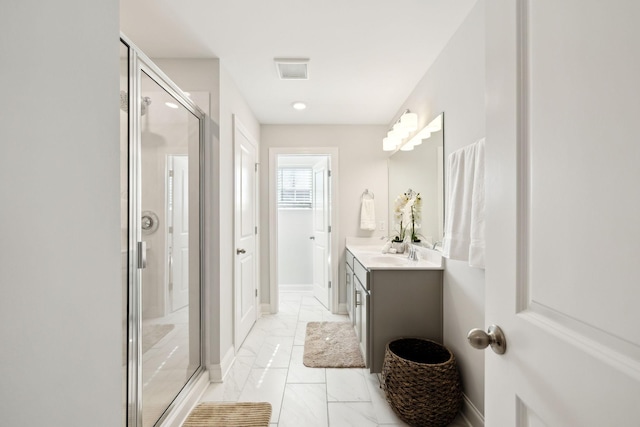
(409,122)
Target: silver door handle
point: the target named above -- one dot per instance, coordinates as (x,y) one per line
(312,238)
(240,251)
(142,255)
(494,337)
(358,302)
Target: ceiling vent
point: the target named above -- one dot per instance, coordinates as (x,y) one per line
(292,68)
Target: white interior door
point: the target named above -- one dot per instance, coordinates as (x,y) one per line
(563,229)
(246,262)
(178,235)
(320,237)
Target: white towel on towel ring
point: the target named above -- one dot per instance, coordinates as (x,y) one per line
(367,215)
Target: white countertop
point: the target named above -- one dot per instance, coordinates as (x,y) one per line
(371,257)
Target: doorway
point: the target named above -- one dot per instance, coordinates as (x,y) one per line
(303,225)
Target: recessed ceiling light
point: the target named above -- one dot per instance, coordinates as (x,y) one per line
(299,105)
(171,105)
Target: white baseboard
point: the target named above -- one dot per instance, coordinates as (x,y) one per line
(471,414)
(295,288)
(265,308)
(180,413)
(342,308)
(217,373)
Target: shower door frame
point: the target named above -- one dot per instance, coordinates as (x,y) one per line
(138,63)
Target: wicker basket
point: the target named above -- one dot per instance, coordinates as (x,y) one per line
(421,382)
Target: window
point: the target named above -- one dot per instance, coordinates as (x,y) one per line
(294,187)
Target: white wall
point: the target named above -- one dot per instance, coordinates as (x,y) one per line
(362,164)
(60,269)
(455,84)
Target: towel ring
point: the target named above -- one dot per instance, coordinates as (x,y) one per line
(367,193)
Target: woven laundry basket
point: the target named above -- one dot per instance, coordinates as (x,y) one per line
(421,382)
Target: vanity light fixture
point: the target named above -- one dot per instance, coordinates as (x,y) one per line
(407,123)
(425,133)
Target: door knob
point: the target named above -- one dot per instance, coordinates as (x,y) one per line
(312,238)
(493,337)
(240,251)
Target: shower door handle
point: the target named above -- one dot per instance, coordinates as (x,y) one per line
(142,255)
(170,261)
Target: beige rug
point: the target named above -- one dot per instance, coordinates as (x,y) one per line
(241,414)
(331,345)
(153,333)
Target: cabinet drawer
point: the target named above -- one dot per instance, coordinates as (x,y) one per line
(349,258)
(361,273)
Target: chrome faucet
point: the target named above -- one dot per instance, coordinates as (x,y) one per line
(413,253)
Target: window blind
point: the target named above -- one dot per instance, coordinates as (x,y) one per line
(294,187)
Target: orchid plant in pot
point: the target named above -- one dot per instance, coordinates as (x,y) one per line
(407,210)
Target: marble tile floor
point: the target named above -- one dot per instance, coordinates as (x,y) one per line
(268,368)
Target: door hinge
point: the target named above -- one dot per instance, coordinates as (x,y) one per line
(171,173)
(256,167)
(256,229)
(329,229)
(329,172)
(256,293)
(329,284)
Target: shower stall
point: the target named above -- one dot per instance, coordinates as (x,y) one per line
(161,150)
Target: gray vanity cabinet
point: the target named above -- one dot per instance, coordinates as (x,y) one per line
(386,304)
(403,303)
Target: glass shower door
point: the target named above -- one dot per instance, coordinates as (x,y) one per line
(161,150)
(170,222)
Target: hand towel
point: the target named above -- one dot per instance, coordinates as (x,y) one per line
(457,226)
(367,215)
(477,245)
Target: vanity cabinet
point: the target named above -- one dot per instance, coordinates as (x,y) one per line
(386,304)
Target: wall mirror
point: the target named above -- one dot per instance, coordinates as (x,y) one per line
(421,171)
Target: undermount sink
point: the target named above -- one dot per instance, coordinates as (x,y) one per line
(388,259)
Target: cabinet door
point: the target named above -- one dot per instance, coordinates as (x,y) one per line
(350,292)
(364,339)
(357,292)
